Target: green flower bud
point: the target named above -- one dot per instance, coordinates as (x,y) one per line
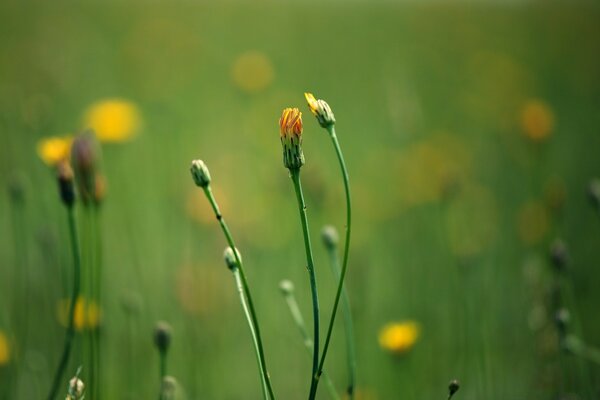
(162,336)
(230,259)
(453,387)
(330,237)
(286,286)
(200,173)
(320,110)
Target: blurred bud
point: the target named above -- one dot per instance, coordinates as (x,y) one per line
(594,192)
(330,237)
(100,189)
(76,389)
(200,173)
(66,186)
(286,286)
(162,336)
(84,156)
(559,255)
(321,110)
(131,302)
(168,388)
(290,128)
(453,387)
(230,258)
(562,318)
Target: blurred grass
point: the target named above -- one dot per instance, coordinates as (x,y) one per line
(428,101)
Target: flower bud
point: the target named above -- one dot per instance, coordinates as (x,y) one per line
(76,389)
(65,183)
(290,128)
(321,110)
(200,173)
(162,336)
(286,286)
(330,237)
(230,259)
(453,387)
(84,157)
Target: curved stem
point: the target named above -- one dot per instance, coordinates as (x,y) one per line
(240,288)
(230,242)
(308,345)
(348,325)
(76,286)
(338,150)
(295,175)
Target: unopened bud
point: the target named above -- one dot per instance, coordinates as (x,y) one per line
(84,156)
(66,186)
(453,387)
(230,258)
(290,129)
(76,389)
(321,110)
(200,173)
(330,237)
(286,286)
(162,336)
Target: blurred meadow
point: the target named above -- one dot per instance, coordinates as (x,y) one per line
(471,131)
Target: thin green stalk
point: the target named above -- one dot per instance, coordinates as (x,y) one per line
(295,175)
(162,371)
(88,296)
(348,325)
(308,344)
(340,156)
(230,242)
(97,295)
(76,286)
(240,288)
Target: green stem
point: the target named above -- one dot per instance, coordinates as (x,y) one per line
(308,345)
(340,156)
(295,175)
(163,372)
(348,325)
(240,289)
(76,286)
(230,242)
(97,295)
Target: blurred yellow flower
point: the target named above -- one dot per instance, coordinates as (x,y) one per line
(55,149)
(4,349)
(399,337)
(87,313)
(252,72)
(113,120)
(537,120)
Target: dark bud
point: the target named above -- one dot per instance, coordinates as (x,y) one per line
(559,255)
(162,336)
(453,387)
(84,156)
(66,186)
(594,192)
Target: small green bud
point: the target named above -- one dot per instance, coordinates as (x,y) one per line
(286,286)
(320,110)
(200,173)
(330,237)
(162,336)
(230,259)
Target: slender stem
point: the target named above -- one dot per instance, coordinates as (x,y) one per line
(97,291)
(348,325)
(240,289)
(340,156)
(163,372)
(295,175)
(76,286)
(308,345)
(230,242)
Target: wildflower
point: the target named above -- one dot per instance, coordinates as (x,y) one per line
(4,349)
(84,156)
(537,120)
(162,336)
(87,314)
(231,259)
(290,127)
(65,183)
(320,109)
(200,173)
(76,389)
(54,149)
(399,337)
(252,72)
(113,120)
